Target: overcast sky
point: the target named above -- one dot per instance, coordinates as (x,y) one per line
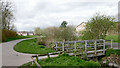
(45,13)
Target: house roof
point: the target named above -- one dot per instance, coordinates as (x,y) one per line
(81,23)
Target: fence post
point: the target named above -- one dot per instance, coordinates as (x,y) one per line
(77,44)
(86,48)
(37,58)
(63,47)
(56,46)
(95,47)
(75,47)
(48,55)
(104,47)
(111,44)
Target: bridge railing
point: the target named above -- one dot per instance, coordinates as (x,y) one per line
(88,47)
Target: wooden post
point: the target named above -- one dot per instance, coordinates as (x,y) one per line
(95,47)
(37,58)
(111,44)
(36,62)
(86,48)
(104,47)
(75,47)
(63,47)
(59,53)
(77,44)
(56,46)
(48,55)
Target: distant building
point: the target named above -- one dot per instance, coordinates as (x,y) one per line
(30,33)
(24,33)
(81,27)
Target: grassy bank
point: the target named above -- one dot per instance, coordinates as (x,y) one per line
(65,60)
(30,46)
(112,51)
(112,37)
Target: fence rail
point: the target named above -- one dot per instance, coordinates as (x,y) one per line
(88,46)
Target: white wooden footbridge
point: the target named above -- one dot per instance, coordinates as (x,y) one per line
(86,48)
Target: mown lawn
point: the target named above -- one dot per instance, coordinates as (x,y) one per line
(64,60)
(18,37)
(112,37)
(30,46)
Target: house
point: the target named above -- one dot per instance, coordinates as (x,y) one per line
(22,33)
(25,33)
(30,33)
(81,27)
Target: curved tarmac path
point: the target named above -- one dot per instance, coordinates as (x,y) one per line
(11,57)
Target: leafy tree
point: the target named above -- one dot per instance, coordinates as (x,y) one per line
(98,26)
(63,24)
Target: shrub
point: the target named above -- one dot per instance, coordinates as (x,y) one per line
(3,37)
(53,34)
(7,34)
(41,41)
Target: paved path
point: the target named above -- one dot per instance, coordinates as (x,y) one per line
(11,57)
(115,45)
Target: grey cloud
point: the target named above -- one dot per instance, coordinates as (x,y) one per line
(45,13)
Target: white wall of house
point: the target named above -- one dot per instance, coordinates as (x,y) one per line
(31,34)
(80,27)
(25,34)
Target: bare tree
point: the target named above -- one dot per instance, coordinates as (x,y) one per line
(37,31)
(7,15)
(0,14)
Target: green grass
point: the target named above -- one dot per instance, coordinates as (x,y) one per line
(112,51)
(64,60)
(30,46)
(18,37)
(112,37)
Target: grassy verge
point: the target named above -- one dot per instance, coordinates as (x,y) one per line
(65,60)
(112,51)
(112,37)
(18,37)
(30,46)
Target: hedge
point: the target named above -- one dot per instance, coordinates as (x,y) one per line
(7,34)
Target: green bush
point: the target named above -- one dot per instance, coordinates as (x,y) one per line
(98,26)
(42,46)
